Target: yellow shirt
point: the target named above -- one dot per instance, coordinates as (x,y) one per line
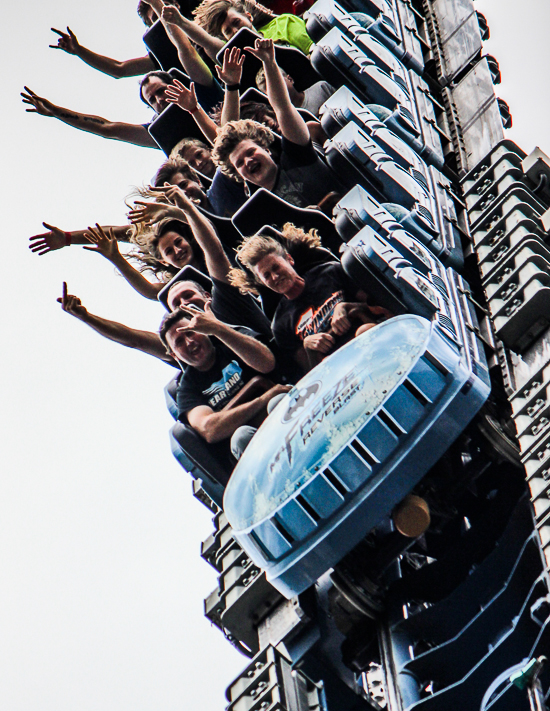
(288,29)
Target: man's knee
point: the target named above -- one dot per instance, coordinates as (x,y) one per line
(241,439)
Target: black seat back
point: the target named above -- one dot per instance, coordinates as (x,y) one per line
(264,206)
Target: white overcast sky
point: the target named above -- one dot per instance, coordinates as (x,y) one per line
(101,583)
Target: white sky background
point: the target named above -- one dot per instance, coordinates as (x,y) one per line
(101,583)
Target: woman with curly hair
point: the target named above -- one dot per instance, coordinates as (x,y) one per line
(321,309)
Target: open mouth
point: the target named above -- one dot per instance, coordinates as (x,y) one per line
(193,349)
(254,167)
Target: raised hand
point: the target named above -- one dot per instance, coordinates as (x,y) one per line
(264,50)
(48,241)
(66,41)
(201,321)
(171,15)
(39,104)
(232,69)
(72,304)
(102,243)
(150,213)
(175,195)
(186,99)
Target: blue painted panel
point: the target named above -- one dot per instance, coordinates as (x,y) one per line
(350,469)
(322,496)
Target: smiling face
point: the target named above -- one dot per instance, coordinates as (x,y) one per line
(153,93)
(278,273)
(175,250)
(233,22)
(200,159)
(254,163)
(194,349)
(184,293)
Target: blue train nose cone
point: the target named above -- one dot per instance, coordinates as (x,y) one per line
(321,470)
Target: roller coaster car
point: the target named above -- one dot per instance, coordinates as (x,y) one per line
(395,27)
(343,106)
(211,463)
(360,430)
(358,208)
(367,72)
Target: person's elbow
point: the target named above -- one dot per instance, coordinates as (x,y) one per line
(211,430)
(267,363)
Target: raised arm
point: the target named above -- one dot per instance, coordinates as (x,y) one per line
(230,74)
(178,94)
(68,42)
(128,132)
(217,263)
(190,59)
(248,349)
(57,238)
(196,34)
(292,125)
(105,244)
(144,341)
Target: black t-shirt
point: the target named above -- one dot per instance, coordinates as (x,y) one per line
(215,387)
(303,178)
(232,307)
(325,286)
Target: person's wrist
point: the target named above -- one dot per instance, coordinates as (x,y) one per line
(233,87)
(68,239)
(195,110)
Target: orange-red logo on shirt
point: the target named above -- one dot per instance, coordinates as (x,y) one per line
(318,320)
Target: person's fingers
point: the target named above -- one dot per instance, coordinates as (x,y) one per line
(160,188)
(88,237)
(178,83)
(37,246)
(73,36)
(55,46)
(50,227)
(101,231)
(192,89)
(64,295)
(91,249)
(58,32)
(38,237)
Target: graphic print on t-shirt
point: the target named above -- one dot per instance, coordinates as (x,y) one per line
(318,320)
(224,389)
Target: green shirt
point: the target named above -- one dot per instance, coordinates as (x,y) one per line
(288,29)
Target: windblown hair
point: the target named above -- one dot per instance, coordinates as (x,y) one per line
(253,110)
(147,240)
(253,249)
(167,78)
(171,167)
(229,138)
(211,14)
